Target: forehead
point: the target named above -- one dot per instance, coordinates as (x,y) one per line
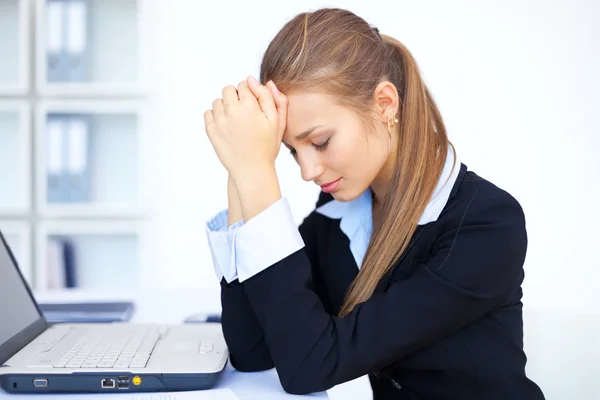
(308,109)
(308,104)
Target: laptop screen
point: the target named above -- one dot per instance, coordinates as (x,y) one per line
(18,310)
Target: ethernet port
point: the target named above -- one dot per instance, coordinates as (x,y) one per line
(108,383)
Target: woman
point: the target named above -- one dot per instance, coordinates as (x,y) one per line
(410,267)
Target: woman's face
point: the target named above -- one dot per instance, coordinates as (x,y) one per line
(338,146)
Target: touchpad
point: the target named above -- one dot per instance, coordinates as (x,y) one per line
(178,346)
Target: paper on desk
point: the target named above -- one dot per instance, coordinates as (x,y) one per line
(214,394)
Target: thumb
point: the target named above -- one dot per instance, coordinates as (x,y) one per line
(264,97)
(281,103)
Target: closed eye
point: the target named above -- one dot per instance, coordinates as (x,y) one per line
(319,147)
(322,147)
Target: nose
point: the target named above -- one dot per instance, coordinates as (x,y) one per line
(310,167)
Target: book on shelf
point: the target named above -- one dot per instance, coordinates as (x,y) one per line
(61,263)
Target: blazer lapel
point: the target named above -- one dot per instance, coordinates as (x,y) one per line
(341,268)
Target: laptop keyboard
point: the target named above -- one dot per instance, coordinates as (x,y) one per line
(103,347)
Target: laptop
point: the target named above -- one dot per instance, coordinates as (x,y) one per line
(38,357)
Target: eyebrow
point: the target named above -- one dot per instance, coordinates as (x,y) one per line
(307,132)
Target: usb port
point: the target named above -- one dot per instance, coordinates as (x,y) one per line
(123,385)
(122,378)
(39,383)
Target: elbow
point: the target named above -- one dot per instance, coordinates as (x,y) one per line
(253,361)
(298,389)
(301,384)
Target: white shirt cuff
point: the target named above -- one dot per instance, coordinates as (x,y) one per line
(220,242)
(266,239)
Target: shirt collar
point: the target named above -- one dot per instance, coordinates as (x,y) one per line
(356,215)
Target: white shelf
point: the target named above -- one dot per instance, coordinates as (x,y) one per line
(117,159)
(18,237)
(114,52)
(14,47)
(15,150)
(107,255)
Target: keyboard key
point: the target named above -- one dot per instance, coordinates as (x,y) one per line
(106,364)
(138,364)
(89,364)
(76,364)
(122,363)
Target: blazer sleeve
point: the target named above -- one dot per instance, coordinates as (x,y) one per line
(243,334)
(245,338)
(475,264)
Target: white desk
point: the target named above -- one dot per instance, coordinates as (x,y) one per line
(172,307)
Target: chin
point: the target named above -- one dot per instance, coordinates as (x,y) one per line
(344,195)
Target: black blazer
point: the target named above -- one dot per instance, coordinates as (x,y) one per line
(445,323)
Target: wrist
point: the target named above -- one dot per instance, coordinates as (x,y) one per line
(258,188)
(234,209)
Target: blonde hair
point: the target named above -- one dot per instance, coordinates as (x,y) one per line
(336,52)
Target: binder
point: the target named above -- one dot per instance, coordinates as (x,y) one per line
(55,270)
(56,177)
(56,58)
(76,46)
(70,263)
(78,159)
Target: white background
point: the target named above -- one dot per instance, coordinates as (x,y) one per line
(516,82)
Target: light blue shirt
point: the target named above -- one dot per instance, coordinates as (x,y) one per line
(245,249)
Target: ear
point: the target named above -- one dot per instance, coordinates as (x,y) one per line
(387,100)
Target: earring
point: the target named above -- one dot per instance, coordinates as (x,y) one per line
(391,124)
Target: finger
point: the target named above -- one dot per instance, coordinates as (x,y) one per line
(281,103)
(208,120)
(230,95)
(208,116)
(265,98)
(218,108)
(244,92)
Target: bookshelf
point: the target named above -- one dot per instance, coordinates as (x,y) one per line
(14,47)
(107,254)
(115,158)
(112,34)
(15,147)
(96,232)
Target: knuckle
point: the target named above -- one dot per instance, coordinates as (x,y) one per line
(229,88)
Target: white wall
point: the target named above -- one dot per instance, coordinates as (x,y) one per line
(517,83)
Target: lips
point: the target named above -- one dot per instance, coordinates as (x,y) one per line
(329,183)
(331,186)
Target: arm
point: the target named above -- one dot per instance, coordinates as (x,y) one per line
(233,203)
(475,265)
(243,334)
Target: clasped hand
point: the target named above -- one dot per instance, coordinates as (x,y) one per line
(246,126)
